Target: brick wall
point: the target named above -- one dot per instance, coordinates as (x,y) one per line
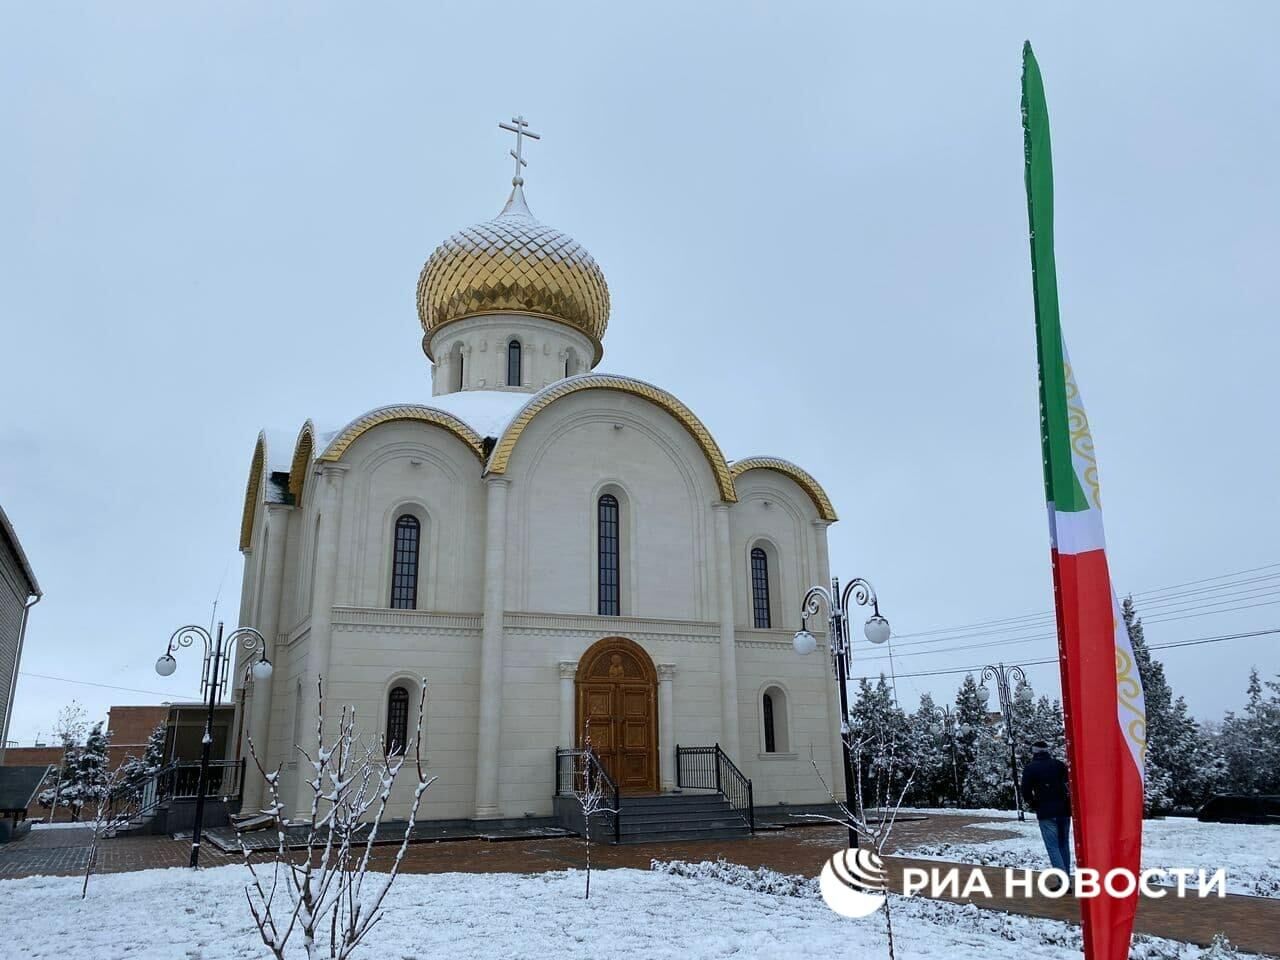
(132,726)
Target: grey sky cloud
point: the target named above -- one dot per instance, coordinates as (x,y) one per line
(215,218)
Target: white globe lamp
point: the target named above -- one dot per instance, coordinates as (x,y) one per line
(876,629)
(804,642)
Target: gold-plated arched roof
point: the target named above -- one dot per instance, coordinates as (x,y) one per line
(514,264)
(447,421)
(806,482)
(253,490)
(501,456)
(303,451)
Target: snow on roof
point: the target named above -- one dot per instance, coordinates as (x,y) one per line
(279,450)
(7,531)
(487,412)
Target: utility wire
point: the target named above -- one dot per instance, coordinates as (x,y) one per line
(1197,641)
(1151,594)
(90,683)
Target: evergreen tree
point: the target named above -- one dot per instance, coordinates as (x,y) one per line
(1047,724)
(929,753)
(880,730)
(1248,743)
(1238,741)
(137,770)
(1158,787)
(971,725)
(90,771)
(1195,767)
(1023,710)
(990,780)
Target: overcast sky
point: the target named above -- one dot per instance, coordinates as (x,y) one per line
(813,224)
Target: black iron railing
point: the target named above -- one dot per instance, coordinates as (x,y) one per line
(180,780)
(709,768)
(577,772)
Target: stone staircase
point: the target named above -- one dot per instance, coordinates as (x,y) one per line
(680,816)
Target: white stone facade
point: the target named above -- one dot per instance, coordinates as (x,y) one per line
(504,481)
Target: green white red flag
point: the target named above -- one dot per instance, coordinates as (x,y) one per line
(1101,689)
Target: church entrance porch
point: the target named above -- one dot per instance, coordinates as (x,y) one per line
(616,695)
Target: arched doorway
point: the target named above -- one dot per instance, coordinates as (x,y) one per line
(616,690)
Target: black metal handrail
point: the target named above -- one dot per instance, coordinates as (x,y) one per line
(180,780)
(575,770)
(709,768)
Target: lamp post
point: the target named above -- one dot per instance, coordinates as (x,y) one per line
(1001,675)
(876,629)
(949,728)
(213,680)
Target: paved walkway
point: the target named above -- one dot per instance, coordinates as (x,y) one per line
(1251,923)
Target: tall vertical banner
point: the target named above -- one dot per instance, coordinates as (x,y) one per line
(1101,689)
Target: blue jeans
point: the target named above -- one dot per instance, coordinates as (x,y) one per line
(1056,832)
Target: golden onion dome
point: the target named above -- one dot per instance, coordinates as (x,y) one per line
(514,264)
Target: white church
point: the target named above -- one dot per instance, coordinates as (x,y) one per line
(545,545)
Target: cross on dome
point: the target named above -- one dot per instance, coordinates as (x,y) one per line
(519,126)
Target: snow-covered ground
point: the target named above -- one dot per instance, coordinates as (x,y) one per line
(162,914)
(1250,854)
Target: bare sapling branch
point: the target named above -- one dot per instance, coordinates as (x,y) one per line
(322,875)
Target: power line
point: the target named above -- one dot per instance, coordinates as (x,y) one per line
(1197,641)
(1152,594)
(90,683)
(1167,616)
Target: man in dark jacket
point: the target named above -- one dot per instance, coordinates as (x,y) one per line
(1044,784)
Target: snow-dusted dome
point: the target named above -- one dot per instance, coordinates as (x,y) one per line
(514,264)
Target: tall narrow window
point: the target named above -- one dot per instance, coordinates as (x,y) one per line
(760,587)
(461,379)
(397,720)
(770,738)
(513,364)
(610,592)
(404,564)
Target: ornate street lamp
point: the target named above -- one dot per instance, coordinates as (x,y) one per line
(876,629)
(213,681)
(1001,675)
(949,729)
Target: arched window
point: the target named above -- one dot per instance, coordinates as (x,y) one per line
(770,736)
(397,720)
(404,564)
(773,720)
(461,379)
(760,587)
(513,364)
(610,590)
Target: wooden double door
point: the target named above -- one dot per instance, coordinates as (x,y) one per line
(617,705)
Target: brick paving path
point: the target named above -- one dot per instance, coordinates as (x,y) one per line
(1251,923)
(65,851)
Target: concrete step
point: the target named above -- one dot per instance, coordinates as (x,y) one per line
(651,804)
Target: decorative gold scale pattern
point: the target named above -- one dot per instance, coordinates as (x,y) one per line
(514,264)
(502,450)
(802,478)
